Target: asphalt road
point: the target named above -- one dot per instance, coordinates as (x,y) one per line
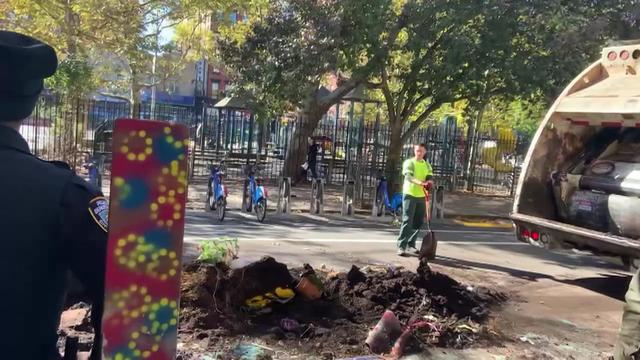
(548,290)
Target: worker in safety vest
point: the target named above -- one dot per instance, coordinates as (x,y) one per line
(418,176)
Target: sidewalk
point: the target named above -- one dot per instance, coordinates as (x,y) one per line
(456,204)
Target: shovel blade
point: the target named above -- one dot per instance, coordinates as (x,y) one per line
(429,246)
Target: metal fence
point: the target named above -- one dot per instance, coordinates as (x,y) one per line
(74,130)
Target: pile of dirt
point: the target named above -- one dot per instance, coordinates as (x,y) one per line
(213,307)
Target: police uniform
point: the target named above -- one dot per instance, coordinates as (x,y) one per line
(628,344)
(51,220)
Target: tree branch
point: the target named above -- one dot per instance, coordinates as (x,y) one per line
(425,114)
(388,96)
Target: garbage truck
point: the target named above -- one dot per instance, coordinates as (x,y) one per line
(580,182)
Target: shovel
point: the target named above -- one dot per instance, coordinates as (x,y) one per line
(429,242)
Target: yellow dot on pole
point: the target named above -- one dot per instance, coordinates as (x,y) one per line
(132,345)
(146,354)
(167,130)
(169,222)
(137,353)
(181,156)
(118,181)
(144,308)
(173,322)
(172,255)
(147,298)
(122,242)
(131,264)
(174,168)
(143,290)
(164,301)
(170,139)
(172,272)
(163,277)
(118,357)
(162,252)
(165,170)
(133,288)
(178,144)
(131,237)
(176,263)
(131,156)
(122,261)
(181,190)
(155,347)
(118,252)
(142,133)
(162,199)
(152,316)
(149,141)
(135,313)
(124,149)
(135,335)
(176,216)
(142,258)
(142,157)
(148,151)
(173,304)
(153,207)
(120,304)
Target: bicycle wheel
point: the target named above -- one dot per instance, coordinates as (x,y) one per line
(221,208)
(379,202)
(261,209)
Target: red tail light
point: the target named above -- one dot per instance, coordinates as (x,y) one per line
(535,235)
(624,55)
(525,233)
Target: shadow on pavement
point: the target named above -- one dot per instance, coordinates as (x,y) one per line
(611,285)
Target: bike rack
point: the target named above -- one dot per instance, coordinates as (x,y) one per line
(284,196)
(320,206)
(437,203)
(347,198)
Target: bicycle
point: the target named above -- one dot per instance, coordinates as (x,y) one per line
(216,191)
(383,202)
(254,194)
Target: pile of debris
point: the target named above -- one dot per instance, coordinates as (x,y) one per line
(330,314)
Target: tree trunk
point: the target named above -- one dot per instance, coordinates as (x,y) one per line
(394,158)
(134,95)
(297,151)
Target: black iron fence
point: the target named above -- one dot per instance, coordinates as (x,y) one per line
(351,149)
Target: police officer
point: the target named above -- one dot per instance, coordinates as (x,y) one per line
(628,344)
(51,221)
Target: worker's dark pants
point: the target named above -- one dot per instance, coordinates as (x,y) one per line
(628,343)
(413,212)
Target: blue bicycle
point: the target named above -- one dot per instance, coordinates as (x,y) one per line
(216,191)
(394,205)
(254,194)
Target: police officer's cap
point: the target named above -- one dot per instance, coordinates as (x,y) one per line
(24,63)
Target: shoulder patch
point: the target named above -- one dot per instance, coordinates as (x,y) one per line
(99,210)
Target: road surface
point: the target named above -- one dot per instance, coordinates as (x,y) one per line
(562,304)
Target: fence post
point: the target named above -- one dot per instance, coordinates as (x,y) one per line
(284,195)
(347,198)
(437,203)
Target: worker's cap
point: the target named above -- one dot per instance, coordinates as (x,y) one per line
(24,63)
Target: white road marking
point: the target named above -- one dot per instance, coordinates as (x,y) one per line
(376,241)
